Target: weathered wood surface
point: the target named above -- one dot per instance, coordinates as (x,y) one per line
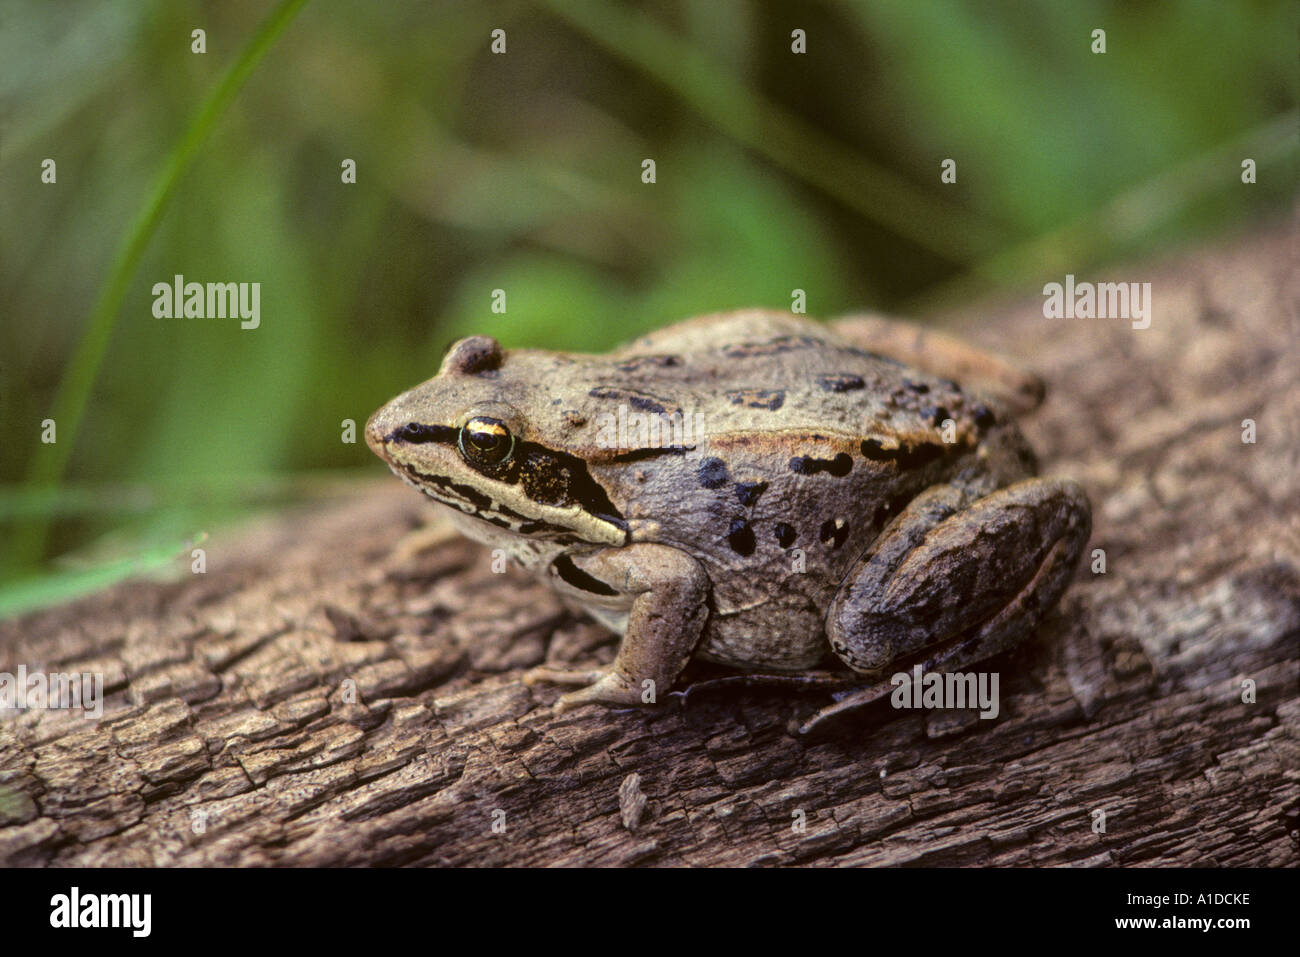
(227,738)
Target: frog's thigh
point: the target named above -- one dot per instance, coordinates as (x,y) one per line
(664,624)
(945,356)
(988,570)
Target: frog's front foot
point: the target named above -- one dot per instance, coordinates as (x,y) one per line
(669,608)
(605,686)
(562,676)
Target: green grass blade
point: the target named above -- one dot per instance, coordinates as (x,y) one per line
(50,461)
(29,594)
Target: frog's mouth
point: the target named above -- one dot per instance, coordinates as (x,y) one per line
(538,493)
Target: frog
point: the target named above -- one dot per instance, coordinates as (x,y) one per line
(851,497)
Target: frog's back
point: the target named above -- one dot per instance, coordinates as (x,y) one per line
(759,371)
(801,448)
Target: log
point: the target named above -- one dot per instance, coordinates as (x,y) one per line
(341,687)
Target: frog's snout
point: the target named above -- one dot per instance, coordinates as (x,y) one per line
(375,431)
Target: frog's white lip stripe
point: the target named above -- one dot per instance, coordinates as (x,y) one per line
(573,521)
(443,495)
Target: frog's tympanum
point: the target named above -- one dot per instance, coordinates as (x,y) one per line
(755,489)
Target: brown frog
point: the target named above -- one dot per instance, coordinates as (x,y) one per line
(753,488)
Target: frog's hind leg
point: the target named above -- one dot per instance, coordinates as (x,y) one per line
(944,356)
(848,689)
(956,580)
(805,681)
(852,700)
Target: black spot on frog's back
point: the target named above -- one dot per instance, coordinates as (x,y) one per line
(907,455)
(770,347)
(839,466)
(741,537)
(640,401)
(713,472)
(916,386)
(638,363)
(785,534)
(841,382)
(747,493)
(833,532)
(767,399)
(935,414)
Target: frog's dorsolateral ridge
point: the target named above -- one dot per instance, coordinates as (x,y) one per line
(755,489)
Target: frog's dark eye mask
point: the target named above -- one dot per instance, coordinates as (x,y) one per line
(542,491)
(483,441)
(417,433)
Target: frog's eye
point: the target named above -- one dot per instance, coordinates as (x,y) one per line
(485,441)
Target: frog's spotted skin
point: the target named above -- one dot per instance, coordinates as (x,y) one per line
(804,455)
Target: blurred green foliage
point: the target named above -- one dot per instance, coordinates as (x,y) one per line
(522,172)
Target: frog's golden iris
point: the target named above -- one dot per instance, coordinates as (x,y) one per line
(485,441)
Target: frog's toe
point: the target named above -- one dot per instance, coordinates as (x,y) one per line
(562,676)
(610,689)
(856,698)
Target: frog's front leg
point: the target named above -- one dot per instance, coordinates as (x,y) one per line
(963,579)
(664,624)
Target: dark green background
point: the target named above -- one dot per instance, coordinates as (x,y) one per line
(523,172)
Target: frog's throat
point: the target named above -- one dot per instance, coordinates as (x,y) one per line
(589,516)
